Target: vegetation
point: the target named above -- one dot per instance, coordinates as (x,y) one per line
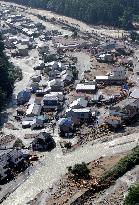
(134,36)
(133,196)
(18,144)
(108,12)
(80,171)
(124,165)
(8,75)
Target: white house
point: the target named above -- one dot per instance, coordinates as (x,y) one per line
(86,88)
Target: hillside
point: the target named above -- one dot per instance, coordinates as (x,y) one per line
(108,12)
(8,75)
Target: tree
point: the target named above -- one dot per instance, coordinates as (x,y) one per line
(134,36)
(18,143)
(133,196)
(80,171)
(126,19)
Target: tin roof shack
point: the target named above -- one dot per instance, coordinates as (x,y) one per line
(126,109)
(50,102)
(33,110)
(43,142)
(117,76)
(22,50)
(66,126)
(23,97)
(56,85)
(79,103)
(79,115)
(113,121)
(86,87)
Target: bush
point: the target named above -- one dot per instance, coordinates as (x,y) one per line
(80,171)
(18,144)
(124,165)
(133,196)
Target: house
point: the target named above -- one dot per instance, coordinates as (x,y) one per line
(55,65)
(117,76)
(22,50)
(86,87)
(67,77)
(8,160)
(37,123)
(113,121)
(118,73)
(105,57)
(59,95)
(33,110)
(43,142)
(27,122)
(4,168)
(65,125)
(56,85)
(126,109)
(23,97)
(51,102)
(78,115)
(15,157)
(53,74)
(79,103)
(42,48)
(36,78)
(72,43)
(135,94)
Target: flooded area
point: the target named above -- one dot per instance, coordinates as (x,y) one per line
(54,164)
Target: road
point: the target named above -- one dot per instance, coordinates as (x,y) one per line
(55,164)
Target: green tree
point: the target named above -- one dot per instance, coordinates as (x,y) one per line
(18,143)
(80,171)
(133,196)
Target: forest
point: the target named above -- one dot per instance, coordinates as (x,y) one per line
(8,75)
(119,13)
